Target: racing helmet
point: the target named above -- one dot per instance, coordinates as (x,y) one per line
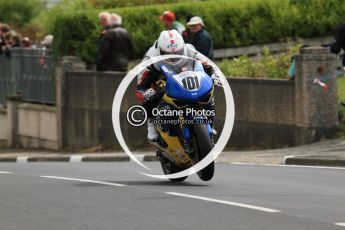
(171,42)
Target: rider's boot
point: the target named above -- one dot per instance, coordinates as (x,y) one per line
(152,133)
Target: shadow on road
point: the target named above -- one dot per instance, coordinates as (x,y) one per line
(160,183)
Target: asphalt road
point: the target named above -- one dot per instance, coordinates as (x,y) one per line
(97,196)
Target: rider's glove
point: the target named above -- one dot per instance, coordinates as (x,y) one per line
(148,94)
(216,80)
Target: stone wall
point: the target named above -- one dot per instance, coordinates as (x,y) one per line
(28,125)
(264,100)
(316,106)
(268,113)
(264,113)
(86,108)
(37,126)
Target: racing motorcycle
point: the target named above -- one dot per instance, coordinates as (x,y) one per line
(185,138)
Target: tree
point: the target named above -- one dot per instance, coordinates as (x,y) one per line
(19,12)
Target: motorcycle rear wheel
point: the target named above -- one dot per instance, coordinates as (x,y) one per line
(170,168)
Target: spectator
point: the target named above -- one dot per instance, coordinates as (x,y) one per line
(47,41)
(199,37)
(15,41)
(7,44)
(12,41)
(104,20)
(26,43)
(115,20)
(169,20)
(46,45)
(186,33)
(292,69)
(1,39)
(115,47)
(339,42)
(4,29)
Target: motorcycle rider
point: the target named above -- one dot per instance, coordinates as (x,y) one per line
(169,42)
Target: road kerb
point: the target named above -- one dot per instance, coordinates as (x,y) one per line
(303,160)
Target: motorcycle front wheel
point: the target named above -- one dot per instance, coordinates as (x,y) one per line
(203,144)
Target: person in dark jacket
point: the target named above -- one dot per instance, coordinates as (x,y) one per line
(339,42)
(115,47)
(199,37)
(104,20)
(4,29)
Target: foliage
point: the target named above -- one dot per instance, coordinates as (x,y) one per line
(124,3)
(341,89)
(231,23)
(45,20)
(268,66)
(19,12)
(341,99)
(79,41)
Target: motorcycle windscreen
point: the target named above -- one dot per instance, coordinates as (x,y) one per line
(189,86)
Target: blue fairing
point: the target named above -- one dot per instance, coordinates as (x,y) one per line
(175,90)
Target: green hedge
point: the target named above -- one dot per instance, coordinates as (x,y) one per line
(78,38)
(124,3)
(231,23)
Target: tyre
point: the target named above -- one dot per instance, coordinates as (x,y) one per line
(170,168)
(203,146)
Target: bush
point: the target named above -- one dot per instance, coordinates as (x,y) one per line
(341,100)
(79,41)
(231,23)
(267,66)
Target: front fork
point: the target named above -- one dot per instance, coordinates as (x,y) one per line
(186,133)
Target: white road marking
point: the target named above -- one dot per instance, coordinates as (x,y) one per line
(22,159)
(291,166)
(75,159)
(224,202)
(340,224)
(5,172)
(83,180)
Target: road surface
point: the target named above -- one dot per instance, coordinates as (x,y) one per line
(59,196)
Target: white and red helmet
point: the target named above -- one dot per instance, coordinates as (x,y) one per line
(171,42)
